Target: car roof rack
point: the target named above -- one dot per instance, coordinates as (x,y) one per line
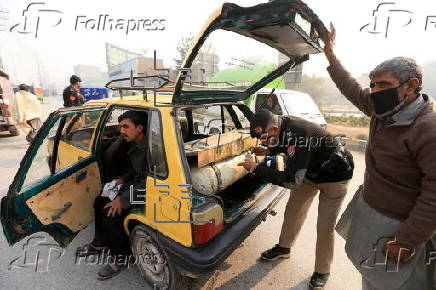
(161,86)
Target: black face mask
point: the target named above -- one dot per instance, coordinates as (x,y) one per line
(387,102)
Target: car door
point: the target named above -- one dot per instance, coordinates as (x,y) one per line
(58,179)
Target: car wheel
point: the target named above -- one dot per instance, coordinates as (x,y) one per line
(152,261)
(14,131)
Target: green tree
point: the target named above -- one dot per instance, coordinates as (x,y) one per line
(182,48)
(314,86)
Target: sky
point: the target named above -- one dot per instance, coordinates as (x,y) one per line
(360,43)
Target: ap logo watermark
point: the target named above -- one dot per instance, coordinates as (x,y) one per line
(37,254)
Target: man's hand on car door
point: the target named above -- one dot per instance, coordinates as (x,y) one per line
(328,47)
(114,206)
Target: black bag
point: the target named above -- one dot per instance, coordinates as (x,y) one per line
(338,161)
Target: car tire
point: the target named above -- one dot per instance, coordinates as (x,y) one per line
(13,131)
(152,261)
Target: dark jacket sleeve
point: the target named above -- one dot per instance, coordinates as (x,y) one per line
(134,192)
(80,99)
(295,169)
(66,97)
(276,150)
(128,176)
(420,226)
(124,195)
(351,88)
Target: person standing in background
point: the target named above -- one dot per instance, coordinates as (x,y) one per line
(71,94)
(27,110)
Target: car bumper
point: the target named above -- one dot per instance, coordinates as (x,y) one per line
(206,258)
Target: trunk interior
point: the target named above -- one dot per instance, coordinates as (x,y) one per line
(236,197)
(239,196)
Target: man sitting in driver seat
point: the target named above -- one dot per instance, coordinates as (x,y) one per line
(109,235)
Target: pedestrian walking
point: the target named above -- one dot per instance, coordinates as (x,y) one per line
(27,111)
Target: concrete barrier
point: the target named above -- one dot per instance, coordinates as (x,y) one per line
(355,144)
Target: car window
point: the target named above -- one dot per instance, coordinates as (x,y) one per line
(156,146)
(262,103)
(207,120)
(79,129)
(111,129)
(40,167)
(297,104)
(260,100)
(244,121)
(219,65)
(115,113)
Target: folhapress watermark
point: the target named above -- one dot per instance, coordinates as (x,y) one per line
(105,257)
(378,259)
(37,255)
(38,17)
(387,16)
(107,23)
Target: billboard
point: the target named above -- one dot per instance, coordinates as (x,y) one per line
(117,55)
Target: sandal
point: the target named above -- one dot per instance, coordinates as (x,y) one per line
(88,250)
(110,270)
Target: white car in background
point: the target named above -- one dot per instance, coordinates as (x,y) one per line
(291,102)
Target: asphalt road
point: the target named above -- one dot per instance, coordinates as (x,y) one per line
(242,270)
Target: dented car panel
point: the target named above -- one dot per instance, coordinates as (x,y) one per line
(24,209)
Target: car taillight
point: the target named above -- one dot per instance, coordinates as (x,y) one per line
(208,222)
(204,232)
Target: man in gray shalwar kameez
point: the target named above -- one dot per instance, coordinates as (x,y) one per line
(391,221)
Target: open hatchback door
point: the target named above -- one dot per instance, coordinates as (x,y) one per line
(58,179)
(243,49)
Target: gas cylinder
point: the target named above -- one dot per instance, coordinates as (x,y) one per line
(217,176)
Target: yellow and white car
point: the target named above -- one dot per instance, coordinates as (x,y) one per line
(198,206)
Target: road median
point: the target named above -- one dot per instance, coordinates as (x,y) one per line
(355,144)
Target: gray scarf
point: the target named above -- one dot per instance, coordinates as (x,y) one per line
(408,114)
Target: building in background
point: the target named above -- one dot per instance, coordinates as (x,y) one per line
(121,62)
(204,67)
(91,75)
(116,55)
(293,77)
(140,66)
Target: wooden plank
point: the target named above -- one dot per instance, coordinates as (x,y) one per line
(222,146)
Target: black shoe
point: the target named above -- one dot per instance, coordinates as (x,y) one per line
(275,253)
(317,282)
(89,250)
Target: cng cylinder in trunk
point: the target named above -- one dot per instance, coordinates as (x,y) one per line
(215,177)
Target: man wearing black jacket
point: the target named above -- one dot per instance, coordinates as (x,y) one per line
(71,94)
(110,214)
(314,161)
